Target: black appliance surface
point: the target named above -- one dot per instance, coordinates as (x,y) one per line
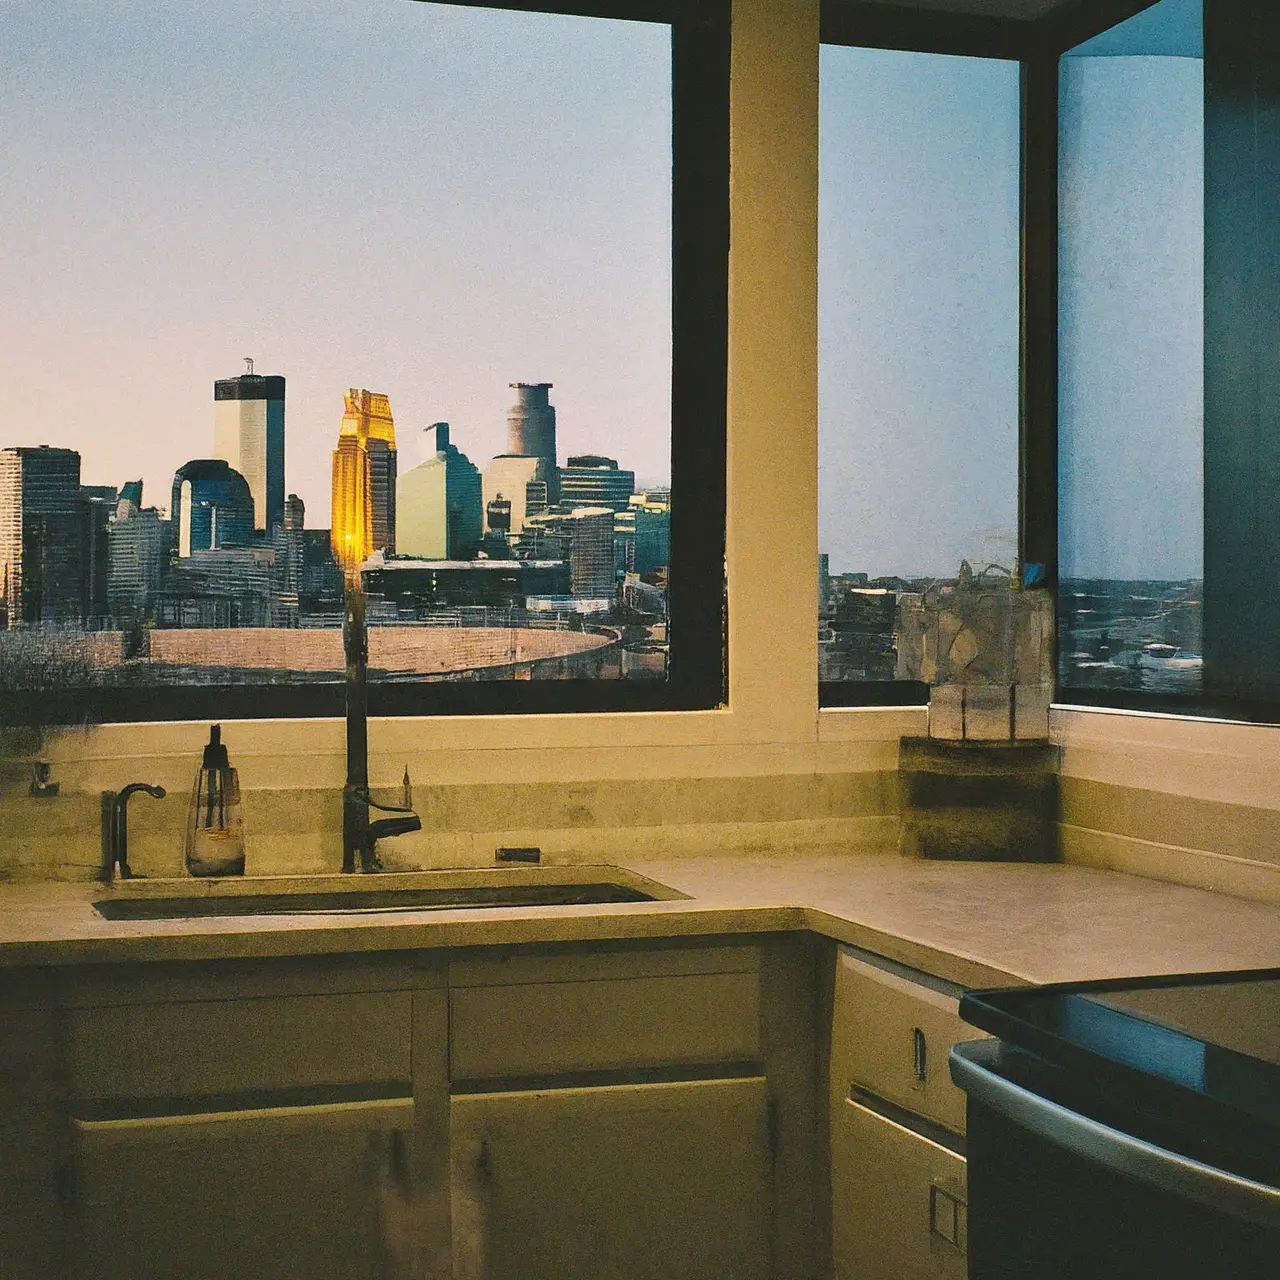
(1125,1128)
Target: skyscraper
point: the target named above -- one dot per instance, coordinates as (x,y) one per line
(364,480)
(135,552)
(531,429)
(248,434)
(591,559)
(41,535)
(439,514)
(211,507)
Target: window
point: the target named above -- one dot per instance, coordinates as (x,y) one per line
(478,258)
(1131,357)
(1169,452)
(918,315)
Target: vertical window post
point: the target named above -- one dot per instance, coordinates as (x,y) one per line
(1242,349)
(1038,373)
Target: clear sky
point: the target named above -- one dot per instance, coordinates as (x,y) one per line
(917,311)
(434,201)
(424,200)
(1131,207)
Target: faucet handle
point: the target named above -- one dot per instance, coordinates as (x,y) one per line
(42,784)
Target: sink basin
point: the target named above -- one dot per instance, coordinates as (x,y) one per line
(420,891)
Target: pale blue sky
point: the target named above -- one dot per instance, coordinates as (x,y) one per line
(917,311)
(434,201)
(425,200)
(1131,206)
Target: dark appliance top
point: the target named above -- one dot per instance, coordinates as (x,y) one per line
(1191,1062)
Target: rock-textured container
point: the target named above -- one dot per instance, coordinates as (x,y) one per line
(979,801)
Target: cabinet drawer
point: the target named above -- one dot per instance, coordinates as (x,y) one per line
(533,1029)
(891,1037)
(898,1201)
(202,1048)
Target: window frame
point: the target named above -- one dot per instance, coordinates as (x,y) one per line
(1037,45)
(868,25)
(1218,699)
(696,597)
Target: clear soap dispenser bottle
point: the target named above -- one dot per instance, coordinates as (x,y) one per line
(215,827)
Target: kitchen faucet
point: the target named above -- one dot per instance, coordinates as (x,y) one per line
(117,842)
(359,834)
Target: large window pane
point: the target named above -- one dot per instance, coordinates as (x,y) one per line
(444,236)
(918,348)
(1131,434)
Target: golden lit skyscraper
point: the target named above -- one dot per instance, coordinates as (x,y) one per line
(364,480)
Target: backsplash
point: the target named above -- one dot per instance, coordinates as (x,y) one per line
(297,830)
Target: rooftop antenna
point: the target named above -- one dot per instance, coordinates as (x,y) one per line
(248,361)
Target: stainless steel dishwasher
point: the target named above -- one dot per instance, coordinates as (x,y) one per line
(1125,1129)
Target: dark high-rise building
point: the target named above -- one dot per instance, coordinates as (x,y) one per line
(248,435)
(135,553)
(531,428)
(97,508)
(212,507)
(42,535)
(295,512)
(592,481)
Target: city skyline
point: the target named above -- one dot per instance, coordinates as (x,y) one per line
(347,223)
(350,222)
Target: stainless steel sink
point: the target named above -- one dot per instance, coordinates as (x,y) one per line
(420,891)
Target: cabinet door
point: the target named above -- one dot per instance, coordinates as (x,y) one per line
(616,1182)
(279,1192)
(898,1201)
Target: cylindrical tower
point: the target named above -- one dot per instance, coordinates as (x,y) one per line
(531,428)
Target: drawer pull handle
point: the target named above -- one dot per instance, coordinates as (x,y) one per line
(919,1054)
(946,1216)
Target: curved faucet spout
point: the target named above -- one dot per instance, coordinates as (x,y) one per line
(118,835)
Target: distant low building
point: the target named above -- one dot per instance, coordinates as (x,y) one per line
(589,480)
(418,585)
(220,587)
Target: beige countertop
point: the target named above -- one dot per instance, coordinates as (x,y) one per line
(974,923)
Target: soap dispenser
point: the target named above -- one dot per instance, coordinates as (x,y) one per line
(215,828)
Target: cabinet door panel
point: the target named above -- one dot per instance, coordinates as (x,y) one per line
(623,1182)
(281,1192)
(898,1201)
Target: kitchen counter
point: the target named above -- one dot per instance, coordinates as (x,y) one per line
(974,923)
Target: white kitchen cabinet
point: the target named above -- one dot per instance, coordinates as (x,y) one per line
(282,1192)
(655,1181)
(898,1197)
(898,1201)
(226,1121)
